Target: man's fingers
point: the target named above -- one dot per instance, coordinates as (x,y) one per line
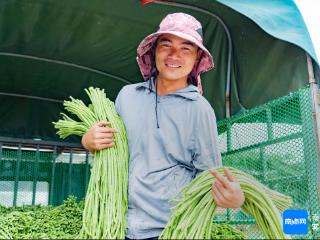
(216,195)
(229,175)
(220,178)
(103,127)
(102,124)
(219,187)
(104,141)
(108,130)
(105,145)
(226,191)
(103,135)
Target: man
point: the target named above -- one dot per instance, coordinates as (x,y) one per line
(171,128)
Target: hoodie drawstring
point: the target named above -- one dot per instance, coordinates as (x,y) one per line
(151,79)
(156,83)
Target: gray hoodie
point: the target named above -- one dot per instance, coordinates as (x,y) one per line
(163,160)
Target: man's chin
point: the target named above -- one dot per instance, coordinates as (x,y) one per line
(175,78)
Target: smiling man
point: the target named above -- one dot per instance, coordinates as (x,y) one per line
(171,127)
(175,58)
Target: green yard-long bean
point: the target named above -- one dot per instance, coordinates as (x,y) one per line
(104,215)
(192,215)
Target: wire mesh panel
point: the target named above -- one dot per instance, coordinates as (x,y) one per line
(276,143)
(36,174)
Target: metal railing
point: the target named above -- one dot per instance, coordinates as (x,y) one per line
(23,162)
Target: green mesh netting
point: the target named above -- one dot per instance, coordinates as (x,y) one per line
(274,142)
(31,176)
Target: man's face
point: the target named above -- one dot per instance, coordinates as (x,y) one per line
(175,57)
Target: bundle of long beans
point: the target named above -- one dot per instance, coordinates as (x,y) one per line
(192,216)
(106,202)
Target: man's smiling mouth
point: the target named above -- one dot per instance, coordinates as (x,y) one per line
(172,66)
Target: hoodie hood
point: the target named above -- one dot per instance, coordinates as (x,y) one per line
(190,92)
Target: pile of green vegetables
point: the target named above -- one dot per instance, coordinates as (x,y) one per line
(106,202)
(42,222)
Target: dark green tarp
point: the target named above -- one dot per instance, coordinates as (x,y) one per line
(53,49)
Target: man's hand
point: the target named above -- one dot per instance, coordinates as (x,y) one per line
(98,137)
(226,192)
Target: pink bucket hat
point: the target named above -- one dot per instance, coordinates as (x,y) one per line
(181,25)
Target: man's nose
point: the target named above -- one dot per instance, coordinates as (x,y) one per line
(174,53)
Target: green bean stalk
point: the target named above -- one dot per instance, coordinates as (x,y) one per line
(106,202)
(192,215)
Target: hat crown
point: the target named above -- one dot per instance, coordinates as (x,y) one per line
(184,23)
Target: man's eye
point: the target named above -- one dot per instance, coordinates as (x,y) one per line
(186,49)
(165,45)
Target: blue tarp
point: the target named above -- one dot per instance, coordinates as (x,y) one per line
(279,18)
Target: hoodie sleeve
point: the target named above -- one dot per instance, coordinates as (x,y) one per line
(119,101)
(206,153)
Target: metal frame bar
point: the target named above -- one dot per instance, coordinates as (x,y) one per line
(256,110)
(64,63)
(31,97)
(16,177)
(42,143)
(265,143)
(313,165)
(35,175)
(69,172)
(229,141)
(53,171)
(314,96)
(0,155)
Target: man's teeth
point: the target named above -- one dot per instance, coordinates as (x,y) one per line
(173,66)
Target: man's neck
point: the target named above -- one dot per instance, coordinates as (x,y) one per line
(169,86)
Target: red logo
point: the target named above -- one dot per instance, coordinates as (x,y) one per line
(143,2)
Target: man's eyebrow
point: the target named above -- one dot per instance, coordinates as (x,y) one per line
(164,39)
(189,43)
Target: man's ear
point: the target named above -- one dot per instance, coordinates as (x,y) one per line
(199,53)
